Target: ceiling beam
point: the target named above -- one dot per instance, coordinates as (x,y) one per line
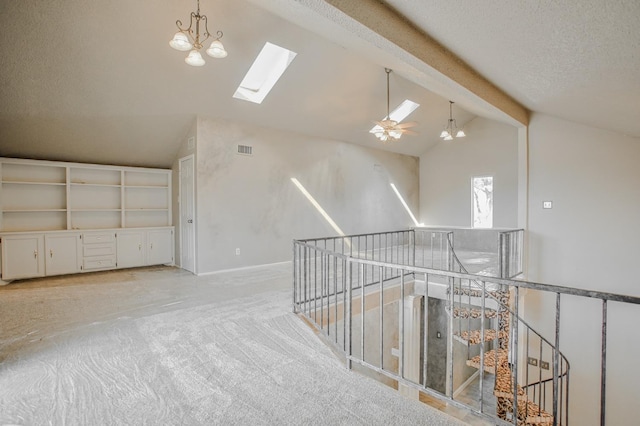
(387,23)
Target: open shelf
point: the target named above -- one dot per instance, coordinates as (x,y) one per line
(41,173)
(51,195)
(35,220)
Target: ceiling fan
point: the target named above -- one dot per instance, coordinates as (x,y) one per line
(390,129)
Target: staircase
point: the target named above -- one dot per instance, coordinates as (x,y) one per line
(357,292)
(470,299)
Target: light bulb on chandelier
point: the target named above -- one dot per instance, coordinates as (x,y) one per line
(191,39)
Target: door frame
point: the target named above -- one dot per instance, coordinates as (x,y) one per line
(193,202)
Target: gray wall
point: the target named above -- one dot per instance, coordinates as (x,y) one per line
(250,203)
(489,149)
(589,239)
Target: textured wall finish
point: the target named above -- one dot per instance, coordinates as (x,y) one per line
(489,149)
(589,239)
(250,203)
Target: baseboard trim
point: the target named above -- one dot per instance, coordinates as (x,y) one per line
(466,384)
(244,268)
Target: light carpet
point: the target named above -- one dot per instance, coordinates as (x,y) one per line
(235,361)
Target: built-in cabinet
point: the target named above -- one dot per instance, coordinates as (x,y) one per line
(61,218)
(22,256)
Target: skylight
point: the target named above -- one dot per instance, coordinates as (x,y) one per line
(401,112)
(265,72)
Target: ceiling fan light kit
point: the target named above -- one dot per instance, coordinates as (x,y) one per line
(191,39)
(451,128)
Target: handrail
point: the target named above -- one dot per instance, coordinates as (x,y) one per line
(595,294)
(564,365)
(328,279)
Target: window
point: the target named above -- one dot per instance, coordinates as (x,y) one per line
(271,63)
(482,200)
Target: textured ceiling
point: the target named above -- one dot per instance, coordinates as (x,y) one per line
(97,81)
(575,59)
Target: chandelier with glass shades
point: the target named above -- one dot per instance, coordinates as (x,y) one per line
(451,129)
(190,39)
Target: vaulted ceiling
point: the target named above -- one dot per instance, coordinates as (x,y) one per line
(97,81)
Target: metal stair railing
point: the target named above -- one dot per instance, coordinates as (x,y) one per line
(508,339)
(342,286)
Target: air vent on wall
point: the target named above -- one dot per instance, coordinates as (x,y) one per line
(245,150)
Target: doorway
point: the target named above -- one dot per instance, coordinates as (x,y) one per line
(187,214)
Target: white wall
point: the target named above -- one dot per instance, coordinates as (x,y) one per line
(250,203)
(489,149)
(589,240)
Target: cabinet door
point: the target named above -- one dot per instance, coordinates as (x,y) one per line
(130,249)
(22,256)
(62,253)
(160,246)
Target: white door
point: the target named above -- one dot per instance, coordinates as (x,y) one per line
(187,215)
(160,246)
(130,249)
(22,256)
(62,252)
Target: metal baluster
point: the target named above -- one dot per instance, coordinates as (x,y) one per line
(344,301)
(603,368)
(322,277)
(482,347)
(401,360)
(381,320)
(426,330)
(295,281)
(335,297)
(556,357)
(526,374)
(349,316)
(542,387)
(514,375)
(362,266)
(450,341)
(305,265)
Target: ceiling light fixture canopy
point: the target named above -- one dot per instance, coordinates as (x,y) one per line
(451,129)
(191,39)
(389,129)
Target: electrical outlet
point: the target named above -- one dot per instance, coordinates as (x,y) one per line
(544,365)
(237,252)
(533,361)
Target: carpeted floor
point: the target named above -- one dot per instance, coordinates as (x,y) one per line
(160,346)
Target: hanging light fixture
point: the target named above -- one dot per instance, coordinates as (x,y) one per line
(190,39)
(451,129)
(389,129)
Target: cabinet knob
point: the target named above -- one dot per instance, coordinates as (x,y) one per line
(190,221)
(139,247)
(35,253)
(51,253)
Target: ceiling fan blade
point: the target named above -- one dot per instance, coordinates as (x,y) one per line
(408,132)
(407,124)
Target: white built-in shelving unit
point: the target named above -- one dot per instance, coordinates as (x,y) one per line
(46,197)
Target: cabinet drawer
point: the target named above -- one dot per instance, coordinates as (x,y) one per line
(98,237)
(104,262)
(99,250)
